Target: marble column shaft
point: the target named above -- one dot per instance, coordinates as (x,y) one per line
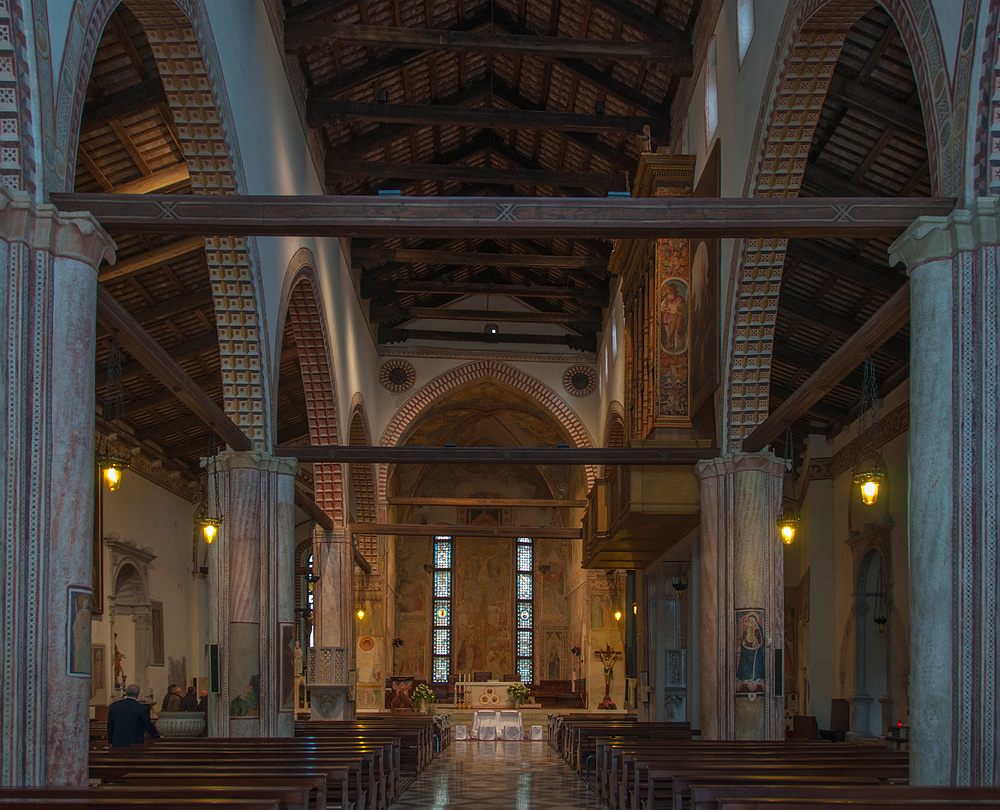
(48,263)
(953,459)
(333,616)
(741,567)
(253,568)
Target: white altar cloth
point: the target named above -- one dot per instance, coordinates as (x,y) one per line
(506,725)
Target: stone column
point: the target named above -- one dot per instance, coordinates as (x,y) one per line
(48,281)
(694,635)
(253,567)
(821,655)
(742,597)
(953,506)
(333,560)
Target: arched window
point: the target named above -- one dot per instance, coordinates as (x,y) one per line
(304,597)
(441,642)
(744,27)
(711,93)
(524,610)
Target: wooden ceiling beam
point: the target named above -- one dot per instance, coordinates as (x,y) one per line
(305,501)
(194,347)
(643,20)
(209,381)
(504,217)
(395,314)
(590,296)
(374,256)
(556,503)
(180,249)
(138,98)
(833,415)
(897,347)
(560,456)
(459,532)
(892,316)
(337,170)
(316,11)
(171,308)
(873,102)
(853,268)
(676,56)
(324,111)
(810,363)
(140,345)
(581,343)
(157,181)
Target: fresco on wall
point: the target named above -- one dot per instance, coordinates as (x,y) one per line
(601,612)
(410,658)
(483,604)
(554,554)
(555,655)
(750,654)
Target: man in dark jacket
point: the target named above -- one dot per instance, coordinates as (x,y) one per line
(189,703)
(128,720)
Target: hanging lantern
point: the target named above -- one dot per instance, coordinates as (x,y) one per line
(870,479)
(679,582)
(209,527)
(208,522)
(788,522)
(112,410)
(360,613)
(111,467)
(618,615)
(880,618)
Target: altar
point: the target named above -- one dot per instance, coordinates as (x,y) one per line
(487,694)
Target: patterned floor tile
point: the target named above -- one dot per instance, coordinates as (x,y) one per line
(486,775)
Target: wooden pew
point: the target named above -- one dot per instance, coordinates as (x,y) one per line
(41,803)
(287,797)
(705,797)
(885,804)
(314,785)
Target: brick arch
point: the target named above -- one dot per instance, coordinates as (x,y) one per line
(813,35)
(985,168)
(363,482)
(19,64)
(318,380)
(192,79)
(518,380)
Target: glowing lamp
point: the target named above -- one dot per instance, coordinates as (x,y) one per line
(618,615)
(361,613)
(787,524)
(111,469)
(209,527)
(869,482)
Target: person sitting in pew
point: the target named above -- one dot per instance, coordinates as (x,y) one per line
(128,720)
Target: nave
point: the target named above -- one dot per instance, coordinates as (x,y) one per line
(519,775)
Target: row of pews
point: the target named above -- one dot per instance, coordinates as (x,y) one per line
(349,765)
(660,766)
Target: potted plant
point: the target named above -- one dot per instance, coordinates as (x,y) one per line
(518,692)
(423,697)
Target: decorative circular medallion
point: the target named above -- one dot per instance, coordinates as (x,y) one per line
(580,380)
(366,698)
(494,698)
(366,643)
(484,699)
(397,375)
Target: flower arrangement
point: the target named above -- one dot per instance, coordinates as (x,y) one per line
(423,694)
(518,691)
(397,642)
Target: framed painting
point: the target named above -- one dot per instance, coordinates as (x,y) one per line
(78,632)
(750,652)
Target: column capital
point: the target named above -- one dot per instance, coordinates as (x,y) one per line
(933,238)
(730,463)
(43,227)
(257,460)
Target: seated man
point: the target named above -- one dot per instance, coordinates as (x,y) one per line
(128,720)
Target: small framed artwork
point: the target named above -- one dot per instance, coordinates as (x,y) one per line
(98,674)
(78,632)
(156,652)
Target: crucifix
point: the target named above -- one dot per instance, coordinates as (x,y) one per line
(607,656)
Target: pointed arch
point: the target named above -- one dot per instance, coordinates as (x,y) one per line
(365,498)
(518,380)
(614,429)
(812,35)
(188,67)
(301,304)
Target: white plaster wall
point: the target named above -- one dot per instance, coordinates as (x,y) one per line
(611,357)
(161,523)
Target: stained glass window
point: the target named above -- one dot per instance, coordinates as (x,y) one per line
(441,616)
(524,612)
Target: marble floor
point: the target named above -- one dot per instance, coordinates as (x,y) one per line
(484,775)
